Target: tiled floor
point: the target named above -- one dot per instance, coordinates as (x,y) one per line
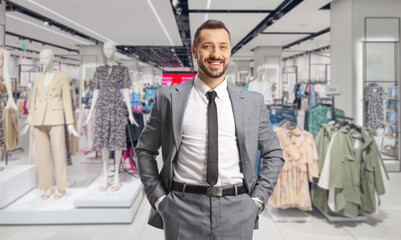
(386,224)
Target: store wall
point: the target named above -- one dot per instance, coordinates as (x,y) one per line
(347,32)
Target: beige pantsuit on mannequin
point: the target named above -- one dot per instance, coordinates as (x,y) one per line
(51,109)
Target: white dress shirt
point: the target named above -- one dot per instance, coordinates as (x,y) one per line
(191,164)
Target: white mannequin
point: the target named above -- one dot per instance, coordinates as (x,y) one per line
(138,88)
(109,50)
(262,85)
(7,81)
(46,59)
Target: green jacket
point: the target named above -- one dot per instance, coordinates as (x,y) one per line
(355,173)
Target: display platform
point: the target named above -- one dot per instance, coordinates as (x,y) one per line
(121,198)
(15,181)
(342,219)
(288,215)
(31,209)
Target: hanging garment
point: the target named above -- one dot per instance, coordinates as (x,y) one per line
(374,97)
(320,115)
(110,118)
(2,143)
(301,165)
(74,141)
(355,172)
(1,63)
(10,125)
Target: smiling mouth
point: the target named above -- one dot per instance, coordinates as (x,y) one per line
(214,63)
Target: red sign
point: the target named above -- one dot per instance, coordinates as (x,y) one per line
(173,79)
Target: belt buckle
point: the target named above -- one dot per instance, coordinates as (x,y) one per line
(214,192)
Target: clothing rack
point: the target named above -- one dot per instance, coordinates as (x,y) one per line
(333,111)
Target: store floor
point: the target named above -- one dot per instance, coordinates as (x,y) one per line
(383,225)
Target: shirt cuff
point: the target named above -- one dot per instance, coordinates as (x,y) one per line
(257,200)
(159,201)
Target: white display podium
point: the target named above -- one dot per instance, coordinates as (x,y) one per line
(15,181)
(122,198)
(103,207)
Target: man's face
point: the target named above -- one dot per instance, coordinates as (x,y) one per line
(213,52)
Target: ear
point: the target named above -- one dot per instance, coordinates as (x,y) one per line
(193,50)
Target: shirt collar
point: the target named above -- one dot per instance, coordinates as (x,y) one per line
(203,88)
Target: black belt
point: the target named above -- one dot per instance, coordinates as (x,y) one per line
(209,191)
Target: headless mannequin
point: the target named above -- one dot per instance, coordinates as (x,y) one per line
(7,81)
(46,59)
(109,50)
(262,85)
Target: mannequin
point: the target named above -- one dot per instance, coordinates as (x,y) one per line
(109,80)
(262,85)
(49,111)
(138,88)
(5,74)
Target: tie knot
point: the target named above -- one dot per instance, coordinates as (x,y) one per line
(211,95)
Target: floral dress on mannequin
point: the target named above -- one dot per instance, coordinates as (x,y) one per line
(110,118)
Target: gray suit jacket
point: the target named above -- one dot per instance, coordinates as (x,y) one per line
(164,129)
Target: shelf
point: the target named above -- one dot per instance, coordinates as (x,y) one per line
(388,136)
(396,98)
(390,110)
(389,123)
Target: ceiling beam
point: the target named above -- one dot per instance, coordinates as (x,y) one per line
(310,37)
(275,15)
(228,11)
(308,52)
(40,41)
(11,6)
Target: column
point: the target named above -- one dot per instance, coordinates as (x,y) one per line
(90,58)
(270,58)
(347,34)
(2,24)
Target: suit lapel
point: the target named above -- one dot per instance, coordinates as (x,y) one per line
(179,100)
(41,84)
(53,82)
(238,103)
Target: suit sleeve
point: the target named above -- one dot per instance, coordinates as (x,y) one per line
(271,154)
(146,151)
(67,103)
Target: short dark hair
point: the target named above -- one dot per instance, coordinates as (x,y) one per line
(209,24)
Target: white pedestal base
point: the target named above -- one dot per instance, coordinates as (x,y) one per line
(288,215)
(31,209)
(124,197)
(15,181)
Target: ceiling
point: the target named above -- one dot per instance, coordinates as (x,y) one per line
(160,32)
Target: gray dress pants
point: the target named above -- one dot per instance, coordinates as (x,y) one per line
(197,216)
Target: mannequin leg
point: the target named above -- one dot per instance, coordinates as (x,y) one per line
(105,158)
(116,185)
(57,136)
(42,141)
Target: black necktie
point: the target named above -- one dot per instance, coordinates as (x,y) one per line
(212,138)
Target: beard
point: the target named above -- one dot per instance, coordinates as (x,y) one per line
(210,74)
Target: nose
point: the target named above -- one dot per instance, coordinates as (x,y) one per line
(215,53)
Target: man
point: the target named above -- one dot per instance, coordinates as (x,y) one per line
(209,132)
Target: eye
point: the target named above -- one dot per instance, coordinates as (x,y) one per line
(223,47)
